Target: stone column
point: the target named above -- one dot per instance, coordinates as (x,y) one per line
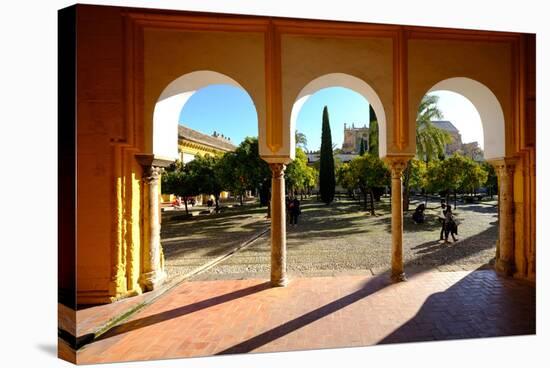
(153,266)
(505,172)
(397,166)
(278,226)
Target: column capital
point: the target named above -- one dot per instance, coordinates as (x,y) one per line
(151,174)
(397,165)
(277,170)
(504,166)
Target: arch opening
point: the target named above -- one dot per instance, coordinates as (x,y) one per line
(345,81)
(488,107)
(170,103)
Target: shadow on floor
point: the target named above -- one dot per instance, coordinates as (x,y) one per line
(181,311)
(502,307)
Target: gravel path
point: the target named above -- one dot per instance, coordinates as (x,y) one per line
(343,239)
(191,243)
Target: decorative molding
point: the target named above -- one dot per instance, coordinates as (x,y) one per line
(400,90)
(277,170)
(273,89)
(148,160)
(397,165)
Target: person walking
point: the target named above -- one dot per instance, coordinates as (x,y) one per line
(294,211)
(441,218)
(450,225)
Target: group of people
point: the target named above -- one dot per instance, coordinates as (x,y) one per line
(448,222)
(293,209)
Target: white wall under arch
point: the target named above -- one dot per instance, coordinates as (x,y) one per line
(346,81)
(488,107)
(168,108)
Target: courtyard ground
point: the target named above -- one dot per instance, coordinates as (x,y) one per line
(339,239)
(240,316)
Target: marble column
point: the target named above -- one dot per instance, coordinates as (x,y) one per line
(153,266)
(278,226)
(397,166)
(504,168)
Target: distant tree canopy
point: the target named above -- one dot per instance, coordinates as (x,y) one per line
(365,173)
(298,175)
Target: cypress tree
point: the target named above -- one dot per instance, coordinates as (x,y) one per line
(362,147)
(327,179)
(373,132)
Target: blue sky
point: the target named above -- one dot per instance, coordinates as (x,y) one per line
(231,112)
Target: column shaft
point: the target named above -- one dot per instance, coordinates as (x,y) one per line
(505,261)
(153,274)
(397,166)
(278,226)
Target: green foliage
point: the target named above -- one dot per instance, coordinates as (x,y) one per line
(364,173)
(373,132)
(298,175)
(455,173)
(179,180)
(430,140)
(327,180)
(491,181)
(418,178)
(362,147)
(206,172)
(474,176)
(244,169)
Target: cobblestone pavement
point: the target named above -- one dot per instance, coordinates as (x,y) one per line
(343,239)
(191,243)
(239,316)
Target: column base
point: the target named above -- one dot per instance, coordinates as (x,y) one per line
(279,282)
(398,277)
(504,268)
(152,280)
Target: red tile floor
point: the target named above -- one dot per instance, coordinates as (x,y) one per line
(238,316)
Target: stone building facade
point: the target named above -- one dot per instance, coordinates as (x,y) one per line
(353,136)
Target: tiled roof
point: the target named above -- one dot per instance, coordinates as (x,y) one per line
(198,137)
(445,125)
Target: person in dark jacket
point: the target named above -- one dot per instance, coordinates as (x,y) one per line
(294,210)
(450,225)
(418,215)
(441,218)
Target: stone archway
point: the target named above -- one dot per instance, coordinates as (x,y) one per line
(346,81)
(493,124)
(169,104)
(488,107)
(166,115)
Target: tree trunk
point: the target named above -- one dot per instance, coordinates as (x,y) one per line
(242,198)
(371,202)
(426,198)
(217,200)
(186,210)
(455,199)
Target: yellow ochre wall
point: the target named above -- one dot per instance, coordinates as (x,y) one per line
(116,102)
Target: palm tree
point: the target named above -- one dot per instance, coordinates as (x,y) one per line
(430,140)
(301,139)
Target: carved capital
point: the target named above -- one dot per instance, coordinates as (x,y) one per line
(504,167)
(277,170)
(397,165)
(151,175)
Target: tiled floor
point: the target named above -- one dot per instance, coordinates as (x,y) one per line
(223,317)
